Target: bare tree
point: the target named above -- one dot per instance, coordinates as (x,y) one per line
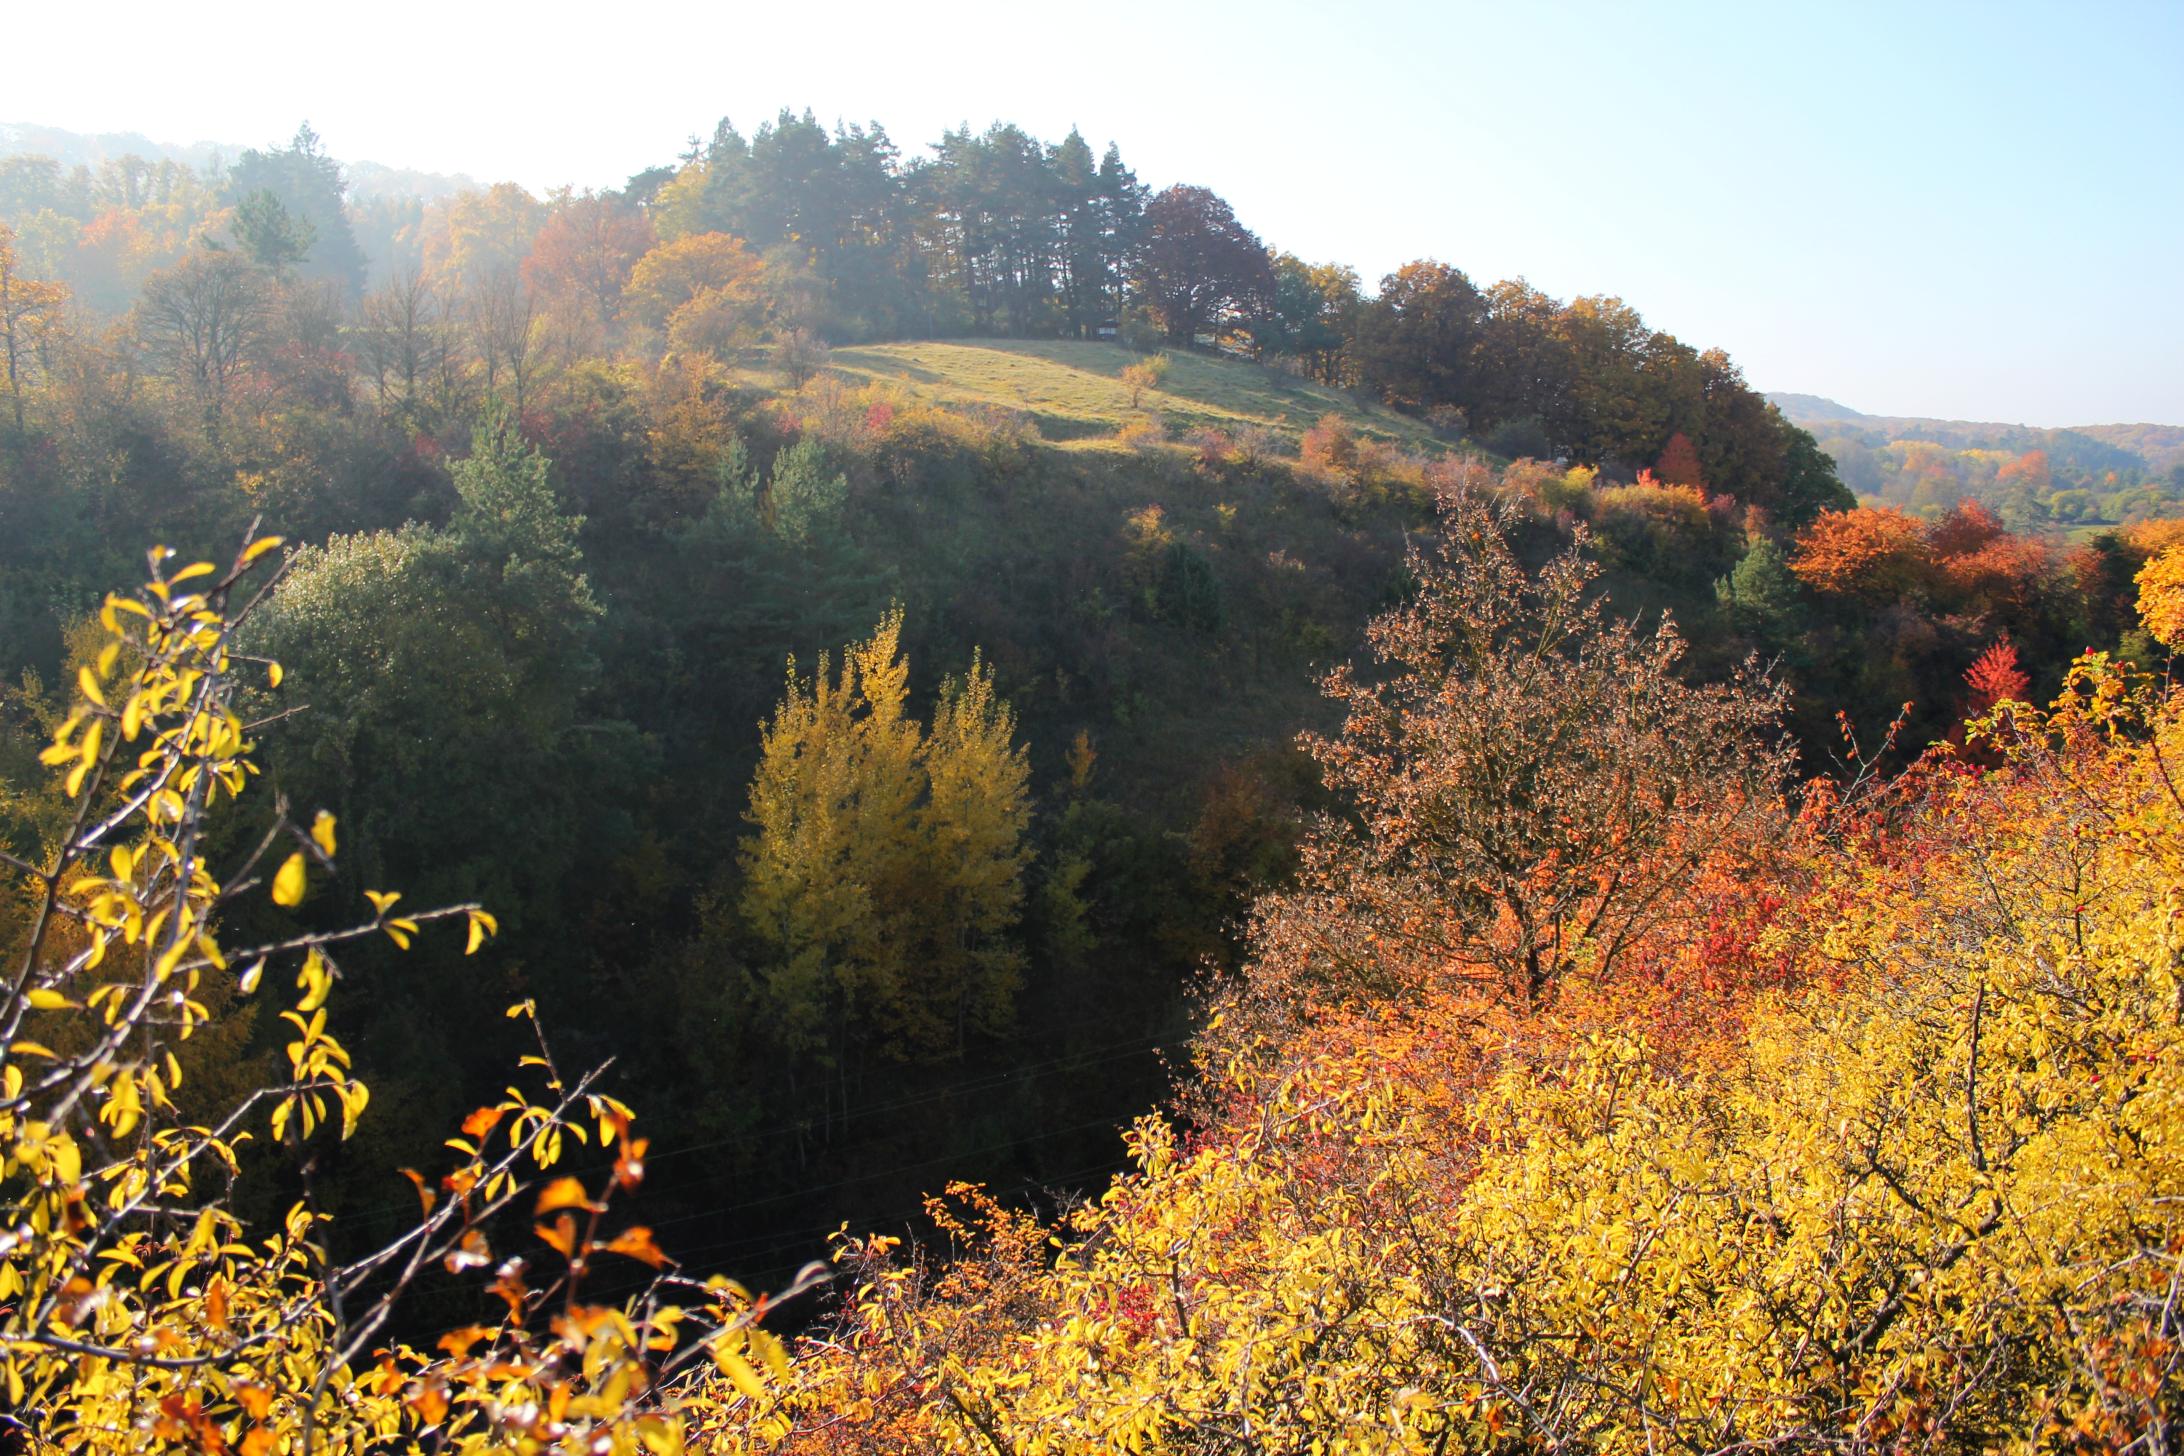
(501,309)
(200,320)
(403,343)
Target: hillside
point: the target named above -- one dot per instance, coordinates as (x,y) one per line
(1073,391)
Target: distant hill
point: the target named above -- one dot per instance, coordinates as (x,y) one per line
(2086,473)
(2157,447)
(368,180)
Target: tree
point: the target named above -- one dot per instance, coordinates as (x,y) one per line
(703,292)
(401,340)
(2161,597)
(294,195)
(582,258)
(1873,554)
(30,311)
(1810,484)
(1619,409)
(1145,374)
(269,235)
(1417,341)
(502,313)
(478,236)
(1526,783)
(202,318)
(1200,270)
(1995,677)
(884,868)
(1679,463)
(1313,317)
(1761,597)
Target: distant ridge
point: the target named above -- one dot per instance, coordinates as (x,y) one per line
(368,181)
(2157,448)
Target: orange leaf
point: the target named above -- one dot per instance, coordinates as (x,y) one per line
(457,1342)
(565,1193)
(636,1243)
(425,1195)
(430,1402)
(562,1235)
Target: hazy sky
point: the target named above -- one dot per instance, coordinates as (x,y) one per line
(1971,211)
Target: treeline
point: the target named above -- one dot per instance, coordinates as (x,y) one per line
(2029,488)
(796,235)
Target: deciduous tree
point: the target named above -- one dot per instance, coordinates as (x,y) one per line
(1200,269)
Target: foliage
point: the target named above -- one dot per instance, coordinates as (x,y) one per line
(1887,1155)
(884,868)
(1874,553)
(1201,270)
(1145,374)
(142,1312)
(2161,597)
(1527,778)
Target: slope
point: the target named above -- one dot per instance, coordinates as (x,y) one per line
(1073,391)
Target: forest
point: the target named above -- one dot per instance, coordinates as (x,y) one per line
(943,802)
(2076,478)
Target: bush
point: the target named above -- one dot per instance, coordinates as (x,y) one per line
(1519,439)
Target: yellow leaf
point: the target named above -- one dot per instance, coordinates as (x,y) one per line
(288,883)
(322,833)
(260,546)
(43,999)
(481,926)
(739,1371)
(272,674)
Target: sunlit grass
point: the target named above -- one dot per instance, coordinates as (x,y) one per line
(1072,390)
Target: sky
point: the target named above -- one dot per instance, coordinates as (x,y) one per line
(1970,211)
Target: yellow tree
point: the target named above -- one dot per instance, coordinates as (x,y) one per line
(884,869)
(972,861)
(2161,597)
(701,291)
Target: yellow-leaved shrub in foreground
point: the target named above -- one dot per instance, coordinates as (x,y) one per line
(1924,1191)
(138,1311)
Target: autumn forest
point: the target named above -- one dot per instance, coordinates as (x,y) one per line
(866,797)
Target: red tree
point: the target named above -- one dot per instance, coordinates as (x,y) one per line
(1994,675)
(1679,463)
(1202,270)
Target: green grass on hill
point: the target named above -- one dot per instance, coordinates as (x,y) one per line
(1072,391)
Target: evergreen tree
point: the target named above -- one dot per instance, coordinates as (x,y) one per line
(308,185)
